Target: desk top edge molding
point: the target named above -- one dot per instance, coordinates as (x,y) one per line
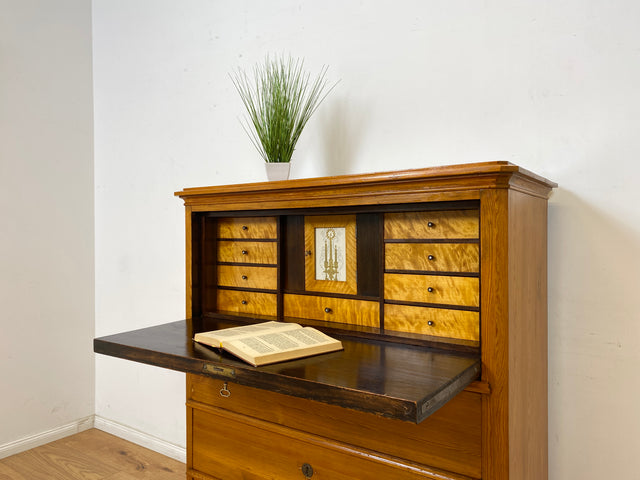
(453,182)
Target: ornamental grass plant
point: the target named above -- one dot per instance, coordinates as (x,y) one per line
(280,99)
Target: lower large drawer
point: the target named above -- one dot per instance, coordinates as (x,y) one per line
(232,447)
(449,440)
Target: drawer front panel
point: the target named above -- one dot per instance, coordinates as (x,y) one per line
(248,227)
(432,225)
(434,257)
(338,310)
(247,302)
(248,277)
(439,322)
(229,447)
(449,439)
(439,289)
(248,252)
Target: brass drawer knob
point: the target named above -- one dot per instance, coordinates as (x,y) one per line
(245,252)
(431,224)
(430,289)
(244,277)
(243,302)
(430,323)
(431,257)
(328,310)
(307,470)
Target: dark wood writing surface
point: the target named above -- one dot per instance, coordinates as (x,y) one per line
(392,380)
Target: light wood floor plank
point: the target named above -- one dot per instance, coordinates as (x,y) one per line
(8,473)
(91,455)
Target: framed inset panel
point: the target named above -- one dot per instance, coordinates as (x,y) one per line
(330,254)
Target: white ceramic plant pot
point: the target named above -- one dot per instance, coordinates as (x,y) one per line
(277,171)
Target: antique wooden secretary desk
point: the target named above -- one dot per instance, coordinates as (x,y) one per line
(434,280)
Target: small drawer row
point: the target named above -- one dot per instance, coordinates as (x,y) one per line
(439,322)
(433,258)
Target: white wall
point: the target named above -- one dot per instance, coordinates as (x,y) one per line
(46,218)
(551,86)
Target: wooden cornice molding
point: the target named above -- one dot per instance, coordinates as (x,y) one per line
(445,183)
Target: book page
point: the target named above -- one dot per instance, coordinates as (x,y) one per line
(216,337)
(277,342)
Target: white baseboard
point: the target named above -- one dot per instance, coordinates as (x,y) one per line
(141,438)
(95,421)
(42,438)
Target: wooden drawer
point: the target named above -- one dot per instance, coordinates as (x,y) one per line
(329,309)
(440,322)
(230,447)
(248,227)
(449,440)
(247,252)
(434,257)
(248,277)
(432,225)
(247,302)
(439,289)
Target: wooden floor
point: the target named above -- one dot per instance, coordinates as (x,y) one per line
(90,455)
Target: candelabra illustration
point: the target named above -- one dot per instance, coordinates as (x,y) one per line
(331,266)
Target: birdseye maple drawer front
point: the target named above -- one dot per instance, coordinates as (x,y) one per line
(441,224)
(448,440)
(247,252)
(248,227)
(440,289)
(433,257)
(330,309)
(439,322)
(247,302)
(244,276)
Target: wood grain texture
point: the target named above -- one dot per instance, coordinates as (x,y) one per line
(278,452)
(447,290)
(245,276)
(432,224)
(433,257)
(312,251)
(376,376)
(368,375)
(90,455)
(248,252)
(188,262)
(449,439)
(433,321)
(247,227)
(528,364)
(446,183)
(494,331)
(247,302)
(340,310)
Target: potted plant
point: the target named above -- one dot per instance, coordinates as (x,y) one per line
(280,99)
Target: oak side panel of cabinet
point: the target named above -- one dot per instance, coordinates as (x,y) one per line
(514,335)
(494,332)
(528,351)
(188,260)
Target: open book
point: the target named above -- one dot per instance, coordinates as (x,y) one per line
(270,342)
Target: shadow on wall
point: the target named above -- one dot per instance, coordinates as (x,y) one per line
(342,126)
(594,335)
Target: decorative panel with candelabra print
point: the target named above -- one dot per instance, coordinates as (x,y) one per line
(330,254)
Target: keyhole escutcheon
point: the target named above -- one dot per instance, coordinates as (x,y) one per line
(307,470)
